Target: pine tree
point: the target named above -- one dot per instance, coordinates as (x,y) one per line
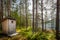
(57,20)
(26,14)
(1,10)
(33,17)
(8,7)
(42,15)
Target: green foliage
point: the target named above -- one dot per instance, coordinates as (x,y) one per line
(36,36)
(41,36)
(25,32)
(28,35)
(19,19)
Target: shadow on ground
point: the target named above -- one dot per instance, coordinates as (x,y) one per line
(3,35)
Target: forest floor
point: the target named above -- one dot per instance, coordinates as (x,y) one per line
(27,35)
(16,37)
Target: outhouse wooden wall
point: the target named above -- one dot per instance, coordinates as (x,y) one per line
(9,26)
(5,26)
(12,26)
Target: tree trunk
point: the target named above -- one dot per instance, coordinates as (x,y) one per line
(57,21)
(33,17)
(8,7)
(26,14)
(45,18)
(1,10)
(42,15)
(36,15)
(20,14)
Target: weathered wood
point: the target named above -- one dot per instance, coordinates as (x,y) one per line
(9,26)
(5,27)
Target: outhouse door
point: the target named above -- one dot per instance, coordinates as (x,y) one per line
(11,27)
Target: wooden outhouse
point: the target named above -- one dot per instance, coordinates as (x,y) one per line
(9,25)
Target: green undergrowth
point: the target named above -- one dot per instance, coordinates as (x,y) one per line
(37,35)
(29,35)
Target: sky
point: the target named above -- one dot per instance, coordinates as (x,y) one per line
(30,7)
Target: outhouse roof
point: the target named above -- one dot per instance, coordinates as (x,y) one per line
(8,18)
